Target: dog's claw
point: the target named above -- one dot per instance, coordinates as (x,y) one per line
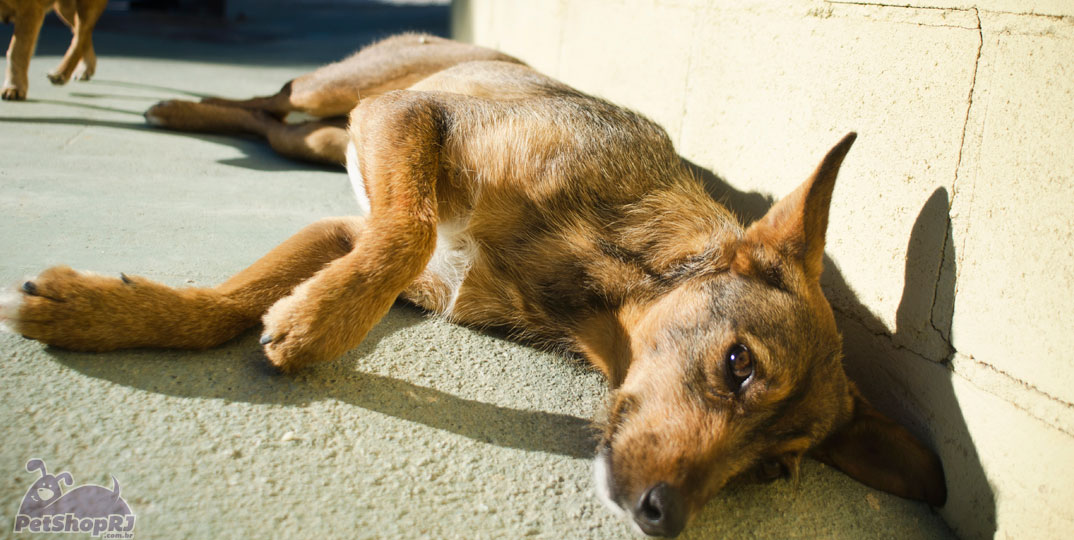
(29,288)
(266,339)
(126,279)
(11,93)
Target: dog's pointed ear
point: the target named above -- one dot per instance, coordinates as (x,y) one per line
(876,451)
(797,223)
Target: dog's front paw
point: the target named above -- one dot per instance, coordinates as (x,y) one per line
(300,330)
(57,78)
(13,93)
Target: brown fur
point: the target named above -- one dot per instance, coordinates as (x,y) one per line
(28,15)
(590,235)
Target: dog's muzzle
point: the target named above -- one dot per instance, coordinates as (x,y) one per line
(659,511)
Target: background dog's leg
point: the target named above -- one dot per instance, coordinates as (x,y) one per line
(398,137)
(28,19)
(322,141)
(65,9)
(90,312)
(86,13)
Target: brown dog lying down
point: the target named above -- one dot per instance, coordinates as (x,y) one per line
(497,196)
(28,15)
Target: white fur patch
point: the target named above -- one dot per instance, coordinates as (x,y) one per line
(455,249)
(10,303)
(602,478)
(357,182)
(455,253)
(153,120)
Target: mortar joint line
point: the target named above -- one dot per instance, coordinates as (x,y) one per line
(1014,402)
(1028,386)
(891,338)
(946,364)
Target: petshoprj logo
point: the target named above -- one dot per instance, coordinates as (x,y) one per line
(97,510)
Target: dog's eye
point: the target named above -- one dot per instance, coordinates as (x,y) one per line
(739,365)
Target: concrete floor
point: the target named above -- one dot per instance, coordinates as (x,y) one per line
(427,430)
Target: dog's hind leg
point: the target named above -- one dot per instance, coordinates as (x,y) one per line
(86,13)
(321,141)
(394,63)
(88,312)
(28,19)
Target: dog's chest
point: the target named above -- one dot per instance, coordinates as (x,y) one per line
(455,248)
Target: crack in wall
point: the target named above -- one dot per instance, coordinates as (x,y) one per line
(945,335)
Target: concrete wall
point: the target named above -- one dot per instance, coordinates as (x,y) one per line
(950,237)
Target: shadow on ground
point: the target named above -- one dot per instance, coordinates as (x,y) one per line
(239,372)
(256,155)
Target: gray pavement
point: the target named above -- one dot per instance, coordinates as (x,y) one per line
(427,430)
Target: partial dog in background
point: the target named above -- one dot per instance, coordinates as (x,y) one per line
(28,15)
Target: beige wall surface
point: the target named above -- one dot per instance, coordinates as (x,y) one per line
(950,241)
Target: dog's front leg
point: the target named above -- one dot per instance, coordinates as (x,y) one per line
(398,140)
(28,19)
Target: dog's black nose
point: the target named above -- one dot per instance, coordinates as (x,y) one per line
(660,511)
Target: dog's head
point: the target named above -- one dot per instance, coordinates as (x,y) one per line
(741,371)
(46,490)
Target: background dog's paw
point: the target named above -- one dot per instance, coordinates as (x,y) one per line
(58,79)
(12,93)
(83,72)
